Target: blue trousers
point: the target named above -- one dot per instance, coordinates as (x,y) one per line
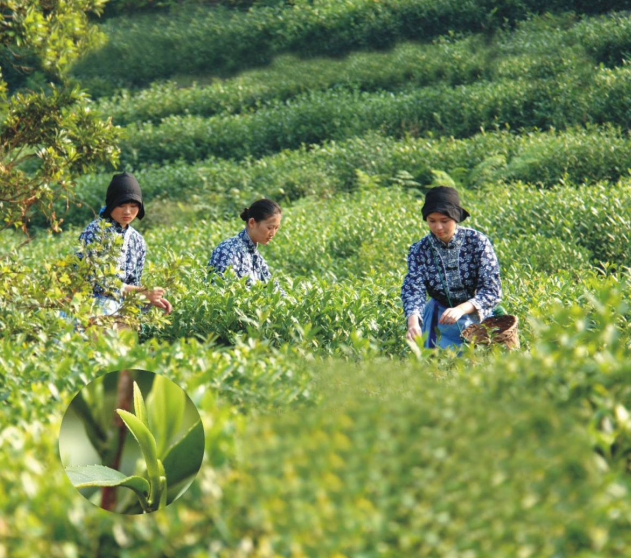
(443,335)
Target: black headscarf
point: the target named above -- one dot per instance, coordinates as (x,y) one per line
(445,200)
(123,188)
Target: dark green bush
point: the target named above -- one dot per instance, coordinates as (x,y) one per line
(218,188)
(425,472)
(221,41)
(287,77)
(608,43)
(315,117)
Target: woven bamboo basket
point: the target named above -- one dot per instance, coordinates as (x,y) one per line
(494,329)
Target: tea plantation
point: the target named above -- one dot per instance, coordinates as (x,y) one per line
(326,433)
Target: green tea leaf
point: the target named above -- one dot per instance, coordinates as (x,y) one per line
(83,476)
(139,406)
(166,404)
(145,440)
(184,458)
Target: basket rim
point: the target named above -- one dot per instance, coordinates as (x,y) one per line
(486,333)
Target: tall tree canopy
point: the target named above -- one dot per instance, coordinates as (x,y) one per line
(48,135)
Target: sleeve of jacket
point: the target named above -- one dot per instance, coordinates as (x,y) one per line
(141,256)
(413,290)
(489,287)
(224,256)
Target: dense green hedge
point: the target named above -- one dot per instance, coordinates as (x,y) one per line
(222,41)
(314,117)
(341,262)
(540,48)
(504,443)
(430,476)
(219,188)
(610,42)
(408,64)
(325,432)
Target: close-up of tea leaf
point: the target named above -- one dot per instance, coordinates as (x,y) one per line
(97,475)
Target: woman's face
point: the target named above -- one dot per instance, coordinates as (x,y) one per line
(263,231)
(125,213)
(442,226)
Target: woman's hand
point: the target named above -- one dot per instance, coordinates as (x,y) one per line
(155,297)
(452,315)
(164,304)
(414,330)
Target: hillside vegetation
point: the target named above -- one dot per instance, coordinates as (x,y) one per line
(326,433)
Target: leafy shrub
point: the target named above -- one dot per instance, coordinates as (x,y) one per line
(219,188)
(423,476)
(316,117)
(610,42)
(490,426)
(223,41)
(288,76)
(540,48)
(559,103)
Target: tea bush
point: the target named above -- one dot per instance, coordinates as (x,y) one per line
(461,112)
(341,262)
(218,188)
(543,47)
(608,43)
(336,115)
(325,431)
(223,41)
(485,428)
(326,482)
(288,76)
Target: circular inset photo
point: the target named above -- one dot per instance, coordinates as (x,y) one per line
(131,442)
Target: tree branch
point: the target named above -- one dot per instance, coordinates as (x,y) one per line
(123,401)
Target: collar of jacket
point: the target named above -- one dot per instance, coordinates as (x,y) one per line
(453,241)
(116,226)
(245,237)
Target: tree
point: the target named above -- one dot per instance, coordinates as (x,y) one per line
(48,136)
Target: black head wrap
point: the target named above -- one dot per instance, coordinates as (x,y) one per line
(123,188)
(445,200)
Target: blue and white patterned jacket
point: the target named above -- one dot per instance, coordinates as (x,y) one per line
(468,266)
(105,237)
(240,253)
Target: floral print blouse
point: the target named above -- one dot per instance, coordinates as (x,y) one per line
(107,238)
(467,266)
(240,253)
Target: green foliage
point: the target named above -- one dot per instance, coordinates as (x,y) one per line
(87,476)
(47,139)
(503,439)
(167,403)
(56,33)
(155,484)
(182,459)
(288,76)
(315,411)
(221,41)
(425,473)
(559,103)
(315,117)
(541,48)
(609,43)
(155,470)
(45,142)
(348,282)
(218,188)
